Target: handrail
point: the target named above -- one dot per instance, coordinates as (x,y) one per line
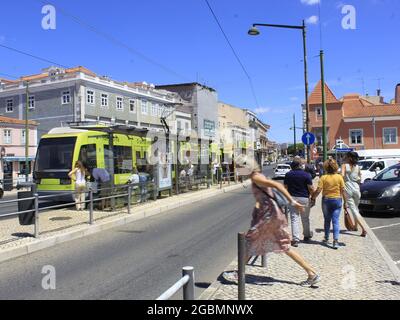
(186,282)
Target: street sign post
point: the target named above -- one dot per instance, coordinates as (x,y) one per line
(308,138)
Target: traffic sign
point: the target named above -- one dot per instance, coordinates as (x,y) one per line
(308,138)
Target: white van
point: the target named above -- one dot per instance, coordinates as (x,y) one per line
(371,167)
(378,154)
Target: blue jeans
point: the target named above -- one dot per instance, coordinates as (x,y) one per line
(332,209)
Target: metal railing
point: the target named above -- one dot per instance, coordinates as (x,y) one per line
(186,282)
(123,191)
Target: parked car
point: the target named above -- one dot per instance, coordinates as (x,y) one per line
(371,167)
(382,193)
(267,163)
(281,170)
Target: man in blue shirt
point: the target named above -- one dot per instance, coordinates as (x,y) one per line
(300,186)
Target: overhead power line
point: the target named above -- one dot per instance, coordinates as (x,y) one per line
(234,53)
(32,56)
(113,40)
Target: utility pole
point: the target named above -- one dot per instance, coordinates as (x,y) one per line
(324,140)
(27,134)
(374,126)
(294,134)
(306,88)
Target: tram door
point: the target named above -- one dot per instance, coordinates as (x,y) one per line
(8,176)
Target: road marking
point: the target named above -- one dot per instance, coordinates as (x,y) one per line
(388,226)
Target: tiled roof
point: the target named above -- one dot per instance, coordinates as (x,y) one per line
(8,120)
(316,95)
(67,71)
(361,108)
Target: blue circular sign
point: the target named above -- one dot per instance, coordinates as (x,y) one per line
(308,138)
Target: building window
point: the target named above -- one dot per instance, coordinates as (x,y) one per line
(160,110)
(32,102)
(356,137)
(179,126)
(66,97)
(154,111)
(132,106)
(120,103)
(187,126)
(144,107)
(104,100)
(7,137)
(389,135)
(318,111)
(23,137)
(90,97)
(10,105)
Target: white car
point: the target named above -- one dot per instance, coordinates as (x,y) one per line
(281,170)
(371,167)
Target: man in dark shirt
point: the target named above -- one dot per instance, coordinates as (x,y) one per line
(300,186)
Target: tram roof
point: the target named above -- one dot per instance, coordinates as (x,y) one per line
(112,129)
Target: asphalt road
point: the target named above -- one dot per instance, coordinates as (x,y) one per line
(387,228)
(139,260)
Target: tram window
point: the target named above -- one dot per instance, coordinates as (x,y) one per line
(122,160)
(55,154)
(88,156)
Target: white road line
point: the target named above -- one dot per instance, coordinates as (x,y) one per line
(388,226)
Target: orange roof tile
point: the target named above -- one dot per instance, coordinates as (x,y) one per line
(16,121)
(358,108)
(68,71)
(316,95)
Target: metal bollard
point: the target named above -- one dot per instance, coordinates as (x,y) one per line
(188,288)
(91,220)
(36,215)
(129,199)
(264,261)
(241,266)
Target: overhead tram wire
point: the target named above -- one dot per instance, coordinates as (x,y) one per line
(114,40)
(32,56)
(234,53)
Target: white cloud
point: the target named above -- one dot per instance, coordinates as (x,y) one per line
(310,2)
(312,20)
(262,110)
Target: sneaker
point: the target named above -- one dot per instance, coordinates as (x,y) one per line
(335,244)
(231,276)
(307,239)
(311,281)
(295,244)
(325,241)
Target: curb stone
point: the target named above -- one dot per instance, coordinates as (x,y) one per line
(83,231)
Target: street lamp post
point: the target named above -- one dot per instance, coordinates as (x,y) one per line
(255,32)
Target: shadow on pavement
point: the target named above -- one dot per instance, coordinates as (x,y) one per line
(202,285)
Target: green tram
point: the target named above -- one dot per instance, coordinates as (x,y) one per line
(62,147)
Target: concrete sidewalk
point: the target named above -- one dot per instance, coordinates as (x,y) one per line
(361,269)
(57,226)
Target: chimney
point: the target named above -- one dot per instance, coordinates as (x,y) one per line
(378,92)
(397,96)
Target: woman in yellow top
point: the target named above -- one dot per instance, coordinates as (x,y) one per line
(332,187)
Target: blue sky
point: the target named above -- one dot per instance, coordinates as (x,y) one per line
(183,37)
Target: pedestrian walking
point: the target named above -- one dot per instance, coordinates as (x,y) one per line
(268,233)
(331,184)
(79,174)
(351,173)
(300,186)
